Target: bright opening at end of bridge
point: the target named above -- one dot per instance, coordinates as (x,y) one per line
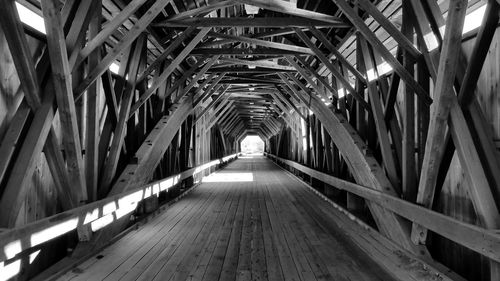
(252,145)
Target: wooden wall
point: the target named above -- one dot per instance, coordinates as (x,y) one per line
(454,200)
(39,202)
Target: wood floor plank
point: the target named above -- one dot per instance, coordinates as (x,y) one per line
(288,266)
(204,239)
(171,256)
(210,266)
(258,255)
(113,256)
(302,264)
(273,266)
(323,248)
(296,229)
(269,228)
(354,237)
(152,240)
(244,269)
(230,263)
(147,255)
(168,239)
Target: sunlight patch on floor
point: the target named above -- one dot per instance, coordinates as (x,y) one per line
(229,177)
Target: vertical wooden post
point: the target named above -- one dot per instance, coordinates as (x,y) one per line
(93,95)
(435,145)
(61,74)
(409,183)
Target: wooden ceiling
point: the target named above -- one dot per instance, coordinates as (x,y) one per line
(304,41)
(249,50)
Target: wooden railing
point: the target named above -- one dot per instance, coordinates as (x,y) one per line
(28,238)
(478,239)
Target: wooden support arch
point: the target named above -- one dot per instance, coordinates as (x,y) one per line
(365,169)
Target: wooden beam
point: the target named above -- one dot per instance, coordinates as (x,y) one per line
(289,103)
(483,143)
(266,132)
(223,140)
(242,51)
(271,128)
(20,176)
(170,68)
(275,123)
(237,130)
(322,38)
(479,188)
(409,171)
(111,164)
(277,22)
(293,91)
(61,74)
(248,70)
(390,101)
(264,43)
(387,25)
(200,73)
(202,95)
(109,29)
(479,53)
(272,33)
(344,80)
(182,80)
(235,124)
(9,17)
(145,160)
(167,52)
(467,148)
(121,79)
(126,41)
(227,118)
(360,25)
(12,138)
(260,63)
(307,77)
(288,8)
(219,112)
(110,95)
(14,196)
(480,240)
(78,30)
(288,117)
(211,6)
(320,78)
(92,122)
(363,166)
(212,103)
(378,116)
(443,92)
(16,40)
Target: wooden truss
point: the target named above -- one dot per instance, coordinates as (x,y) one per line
(193,79)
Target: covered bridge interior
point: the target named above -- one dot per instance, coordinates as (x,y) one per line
(121,124)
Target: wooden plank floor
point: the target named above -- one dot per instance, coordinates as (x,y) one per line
(252,222)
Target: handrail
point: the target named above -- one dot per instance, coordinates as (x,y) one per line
(95,215)
(483,241)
